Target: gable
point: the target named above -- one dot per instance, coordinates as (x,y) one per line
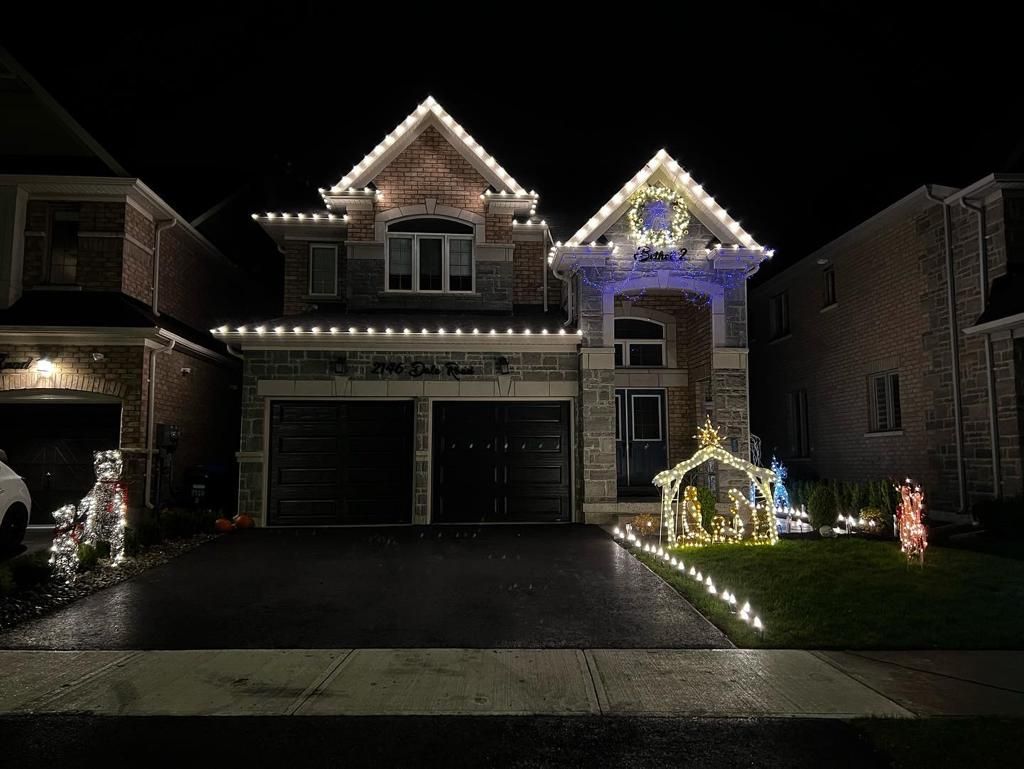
(429,114)
(430,168)
(703,209)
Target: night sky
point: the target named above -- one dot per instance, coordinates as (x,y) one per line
(801,127)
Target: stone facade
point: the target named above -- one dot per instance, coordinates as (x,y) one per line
(891,314)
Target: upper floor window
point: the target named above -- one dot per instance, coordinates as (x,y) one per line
(430,255)
(798,430)
(64,247)
(639,342)
(828,278)
(778,315)
(323,270)
(885,402)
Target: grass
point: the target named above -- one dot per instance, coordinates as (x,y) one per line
(857,594)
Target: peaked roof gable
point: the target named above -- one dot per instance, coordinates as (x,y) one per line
(429,113)
(662,165)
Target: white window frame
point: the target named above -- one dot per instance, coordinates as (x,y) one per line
(625,343)
(891,402)
(333,247)
(445,239)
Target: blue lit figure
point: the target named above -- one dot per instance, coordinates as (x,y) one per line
(779,492)
(658,216)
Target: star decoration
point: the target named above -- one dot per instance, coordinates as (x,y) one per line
(708,435)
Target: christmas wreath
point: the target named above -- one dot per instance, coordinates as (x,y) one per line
(657,216)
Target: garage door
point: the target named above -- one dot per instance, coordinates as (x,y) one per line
(52,444)
(501,462)
(340,462)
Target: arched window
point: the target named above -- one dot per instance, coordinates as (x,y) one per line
(429,254)
(639,342)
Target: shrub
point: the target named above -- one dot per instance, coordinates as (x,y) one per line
(1001,516)
(178,523)
(88,557)
(102,549)
(822,506)
(882,523)
(31,570)
(645,525)
(148,532)
(131,542)
(707,500)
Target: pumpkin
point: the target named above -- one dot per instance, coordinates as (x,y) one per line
(243,521)
(223,525)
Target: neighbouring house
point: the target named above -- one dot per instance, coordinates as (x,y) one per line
(107,295)
(898,348)
(441,359)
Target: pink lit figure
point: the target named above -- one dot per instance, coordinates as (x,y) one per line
(910,518)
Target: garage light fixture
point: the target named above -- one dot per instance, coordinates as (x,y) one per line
(44,367)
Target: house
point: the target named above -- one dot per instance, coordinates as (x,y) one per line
(898,348)
(107,295)
(441,359)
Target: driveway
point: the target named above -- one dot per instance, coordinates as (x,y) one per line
(564,586)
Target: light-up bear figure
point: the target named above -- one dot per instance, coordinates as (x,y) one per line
(105,506)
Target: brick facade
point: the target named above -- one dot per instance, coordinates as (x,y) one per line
(891,315)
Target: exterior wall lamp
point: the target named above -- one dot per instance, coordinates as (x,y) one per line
(45,366)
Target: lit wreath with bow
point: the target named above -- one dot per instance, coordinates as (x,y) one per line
(657,216)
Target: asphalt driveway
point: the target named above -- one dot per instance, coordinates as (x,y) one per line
(477,587)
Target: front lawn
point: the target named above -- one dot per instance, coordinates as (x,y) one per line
(857,594)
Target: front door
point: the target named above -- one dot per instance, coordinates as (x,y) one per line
(640,440)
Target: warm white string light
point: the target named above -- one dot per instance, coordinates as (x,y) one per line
(627,538)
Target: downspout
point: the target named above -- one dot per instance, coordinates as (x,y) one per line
(990,377)
(165,224)
(151,420)
(569,303)
(954,348)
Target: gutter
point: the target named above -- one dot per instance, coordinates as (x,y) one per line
(151,421)
(162,225)
(954,347)
(990,377)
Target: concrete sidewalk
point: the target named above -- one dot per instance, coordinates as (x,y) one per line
(613,682)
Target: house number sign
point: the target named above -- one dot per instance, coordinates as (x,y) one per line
(647,254)
(418,368)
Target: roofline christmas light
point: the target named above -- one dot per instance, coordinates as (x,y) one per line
(427,107)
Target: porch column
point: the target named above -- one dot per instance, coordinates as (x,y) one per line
(729,383)
(596,412)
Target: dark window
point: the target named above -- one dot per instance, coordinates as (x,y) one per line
(829,278)
(460,264)
(435,255)
(885,402)
(400,264)
(431,225)
(646,354)
(64,247)
(646,417)
(639,343)
(799,432)
(431,264)
(778,315)
(635,328)
(323,270)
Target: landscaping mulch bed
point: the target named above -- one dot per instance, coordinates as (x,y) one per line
(30,603)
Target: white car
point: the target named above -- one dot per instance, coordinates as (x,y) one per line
(15,503)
